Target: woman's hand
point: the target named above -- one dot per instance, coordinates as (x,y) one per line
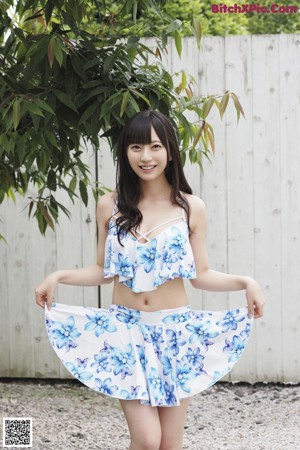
(255,299)
(44,292)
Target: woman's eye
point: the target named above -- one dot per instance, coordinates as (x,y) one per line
(135,147)
(156,147)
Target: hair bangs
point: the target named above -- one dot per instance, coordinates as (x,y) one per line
(139,131)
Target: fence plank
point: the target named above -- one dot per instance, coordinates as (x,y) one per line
(211,62)
(289,57)
(107,176)
(267,211)
(240,201)
(189,62)
(4,297)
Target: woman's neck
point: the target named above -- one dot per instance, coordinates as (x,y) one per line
(156,190)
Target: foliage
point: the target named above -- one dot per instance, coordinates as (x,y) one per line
(61,85)
(186,11)
(217,24)
(212,24)
(275,23)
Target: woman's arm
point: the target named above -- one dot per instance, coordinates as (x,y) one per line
(212,280)
(87,276)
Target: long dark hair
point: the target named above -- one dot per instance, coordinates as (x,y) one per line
(138,131)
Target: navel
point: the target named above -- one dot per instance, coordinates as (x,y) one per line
(145,302)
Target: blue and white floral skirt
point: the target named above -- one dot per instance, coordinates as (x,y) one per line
(156,357)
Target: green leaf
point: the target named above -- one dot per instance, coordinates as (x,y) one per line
(42,161)
(32,107)
(237,105)
(16,113)
(132,42)
(197,31)
(65,99)
(2,238)
(51,138)
(134,104)
(40,218)
(58,54)
(223,104)
(73,183)
(88,112)
(91,84)
(47,217)
(109,103)
(108,63)
(175,25)
(207,106)
(83,192)
(94,93)
(43,105)
(198,134)
(124,103)
(48,10)
(30,208)
(51,180)
(51,50)
(142,96)
(178,42)
(134,10)
(183,79)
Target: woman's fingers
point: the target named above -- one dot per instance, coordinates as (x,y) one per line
(50,298)
(259,310)
(44,295)
(256,308)
(250,309)
(40,298)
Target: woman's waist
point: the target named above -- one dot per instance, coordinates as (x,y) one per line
(170,295)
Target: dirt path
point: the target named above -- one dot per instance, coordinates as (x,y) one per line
(69,416)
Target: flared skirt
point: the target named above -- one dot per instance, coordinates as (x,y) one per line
(156,357)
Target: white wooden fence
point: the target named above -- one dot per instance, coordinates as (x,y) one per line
(252,193)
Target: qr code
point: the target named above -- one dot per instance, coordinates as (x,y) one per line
(17,432)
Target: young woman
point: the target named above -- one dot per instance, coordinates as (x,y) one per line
(149,349)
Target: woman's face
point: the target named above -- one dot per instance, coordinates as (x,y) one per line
(148,161)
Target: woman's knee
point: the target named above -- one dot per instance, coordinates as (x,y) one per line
(171,444)
(150,441)
(144,425)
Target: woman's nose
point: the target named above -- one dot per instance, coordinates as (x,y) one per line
(146,155)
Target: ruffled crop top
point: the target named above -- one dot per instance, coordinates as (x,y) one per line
(143,266)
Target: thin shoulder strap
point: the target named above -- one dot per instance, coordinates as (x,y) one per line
(182,208)
(115,208)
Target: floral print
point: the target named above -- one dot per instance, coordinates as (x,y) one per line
(63,334)
(147,255)
(99,323)
(230,320)
(145,266)
(156,357)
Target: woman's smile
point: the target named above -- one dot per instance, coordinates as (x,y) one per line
(148,168)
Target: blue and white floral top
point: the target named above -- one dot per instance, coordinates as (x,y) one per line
(143,266)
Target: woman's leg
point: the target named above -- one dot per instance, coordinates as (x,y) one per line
(144,425)
(172,423)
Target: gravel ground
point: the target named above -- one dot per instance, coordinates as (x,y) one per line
(226,416)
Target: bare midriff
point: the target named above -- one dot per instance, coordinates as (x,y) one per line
(169,295)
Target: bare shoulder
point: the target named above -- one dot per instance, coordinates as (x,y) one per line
(105,206)
(197,211)
(196,203)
